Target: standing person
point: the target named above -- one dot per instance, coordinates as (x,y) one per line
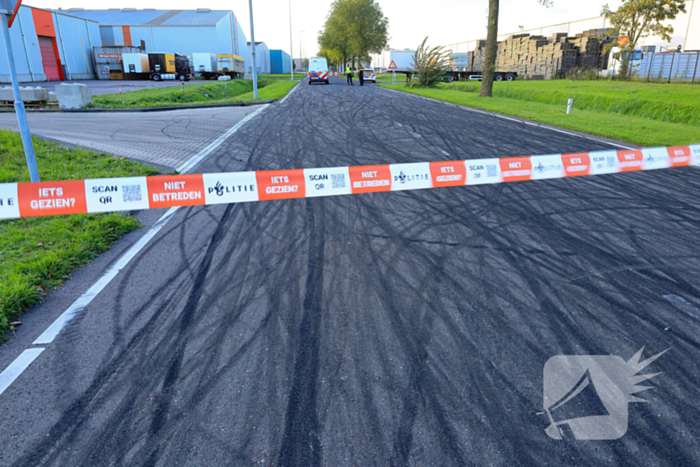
(361,75)
(349,72)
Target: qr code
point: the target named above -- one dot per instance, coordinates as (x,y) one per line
(491,170)
(131,193)
(338,180)
(611,161)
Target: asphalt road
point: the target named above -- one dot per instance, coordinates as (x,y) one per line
(403,328)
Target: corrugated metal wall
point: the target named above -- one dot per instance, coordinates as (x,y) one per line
(279,62)
(74,39)
(671,66)
(75,42)
(25,47)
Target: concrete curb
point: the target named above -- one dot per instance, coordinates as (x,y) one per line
(149,109)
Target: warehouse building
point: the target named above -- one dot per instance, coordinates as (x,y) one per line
(280,62)
(50,45)
(173,31)
(262,59)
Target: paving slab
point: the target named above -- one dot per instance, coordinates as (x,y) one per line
(165,139)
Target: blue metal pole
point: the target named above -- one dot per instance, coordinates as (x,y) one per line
(19,106)
(252,52)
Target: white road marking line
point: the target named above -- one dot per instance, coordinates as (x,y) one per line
(16,368)
(21,363)
(84,300)
(538,125)
(296,86)
(196,159)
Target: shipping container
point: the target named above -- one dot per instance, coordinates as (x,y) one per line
(136,66)
(108,60)
(204,63)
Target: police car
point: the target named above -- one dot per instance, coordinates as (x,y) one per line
(370,75)
(318,70)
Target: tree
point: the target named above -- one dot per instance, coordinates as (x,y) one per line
(354,29)
(430,64)
(492,47)
(637,19)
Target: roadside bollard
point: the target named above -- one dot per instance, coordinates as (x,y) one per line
(120,89)
(568,106)
(182,86)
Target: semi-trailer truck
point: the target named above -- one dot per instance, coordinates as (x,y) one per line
(156,66)
(462,70)
(211,66)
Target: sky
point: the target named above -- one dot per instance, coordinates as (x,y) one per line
(443,21)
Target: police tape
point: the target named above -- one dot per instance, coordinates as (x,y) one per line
(19,200)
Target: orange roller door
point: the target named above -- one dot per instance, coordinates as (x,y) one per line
(48,58)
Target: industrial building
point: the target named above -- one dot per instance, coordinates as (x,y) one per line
(262,59)
(170,31)
(280,62)
(50,45)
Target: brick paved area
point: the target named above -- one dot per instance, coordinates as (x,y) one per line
(164,138)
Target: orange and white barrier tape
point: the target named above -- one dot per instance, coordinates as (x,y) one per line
(132,193)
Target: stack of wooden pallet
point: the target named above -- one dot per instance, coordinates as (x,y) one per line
(540,57)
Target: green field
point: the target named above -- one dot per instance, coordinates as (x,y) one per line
(647,114)
(196,93)
(37,254)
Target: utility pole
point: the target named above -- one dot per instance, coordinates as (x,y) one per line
(291,50)
(7,7)
(252,52)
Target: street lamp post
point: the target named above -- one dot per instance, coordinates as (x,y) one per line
(252,52)
(5,12)
(301,51)
(291,50)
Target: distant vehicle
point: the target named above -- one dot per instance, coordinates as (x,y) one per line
(156,66)
(370,75)
(318,70)
(399,61)
(211,66)
(462,70)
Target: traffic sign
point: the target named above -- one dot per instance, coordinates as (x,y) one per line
(392,66)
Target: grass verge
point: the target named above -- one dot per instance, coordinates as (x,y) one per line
(37,254)
(645,114)
(197,93)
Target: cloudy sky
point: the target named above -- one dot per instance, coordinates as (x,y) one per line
(444,21)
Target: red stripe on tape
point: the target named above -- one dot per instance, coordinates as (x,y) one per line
(167,191)
(576,164)
(281,184)
(448,173)
(51,198)
(680,155)
(516,169)
(630,160)
(370,178)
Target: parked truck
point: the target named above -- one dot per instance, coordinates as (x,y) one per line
(211,66)
(462,70)
(156,66)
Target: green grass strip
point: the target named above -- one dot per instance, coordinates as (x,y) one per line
(37,254)
(543,102)
(197,93)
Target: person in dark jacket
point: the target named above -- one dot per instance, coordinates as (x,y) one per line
(349,72)
(361,75)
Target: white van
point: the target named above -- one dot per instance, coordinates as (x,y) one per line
(318,70)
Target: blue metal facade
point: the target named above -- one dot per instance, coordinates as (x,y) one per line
(262,59)
(280,62)
(75,38)
(171,31)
